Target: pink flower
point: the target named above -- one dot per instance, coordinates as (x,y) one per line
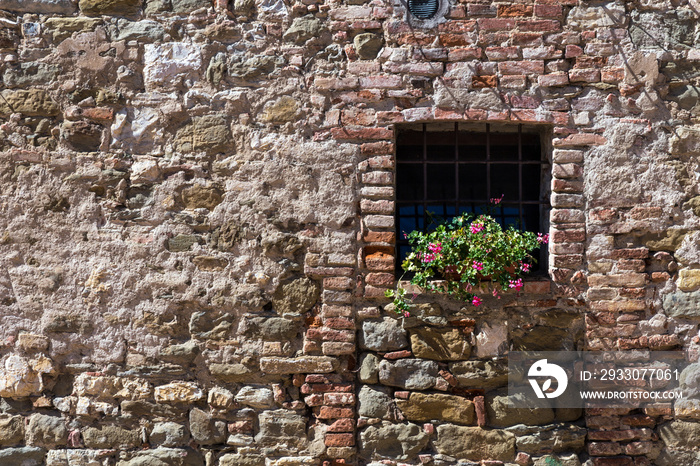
(517,284)
(542,239)
(478,266)
(476,301)
(406,314)
(435,247)
(495,294)
(476,227)
(497,200)
(524,266)
(427,258)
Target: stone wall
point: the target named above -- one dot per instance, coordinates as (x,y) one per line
(197,229)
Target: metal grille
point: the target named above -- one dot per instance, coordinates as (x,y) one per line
(442,174)
(423,9)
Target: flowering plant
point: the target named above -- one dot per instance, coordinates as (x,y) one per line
(458,255)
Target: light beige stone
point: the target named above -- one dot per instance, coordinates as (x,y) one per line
(178,392)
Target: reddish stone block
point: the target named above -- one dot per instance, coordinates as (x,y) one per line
(326,334)
(513,82)
(373,292)
(340,440)
(514,10)
(630,253)
(377,148)
(327,412)
(342,425)
(604,449)
(502,53)
(338,399)
(480,408)
(612,75)
(338,283)
(567,186)
(339,323)
(398,354)
(240,427)
(380,279)
(455,40)
(379,236)
(496,24)
(350,133)
(380,261)
(584,75)
(457,26)
(580,139)
(541,25)
(381,82)
(98,113)
(553,80)
(548,11)
(480,82)
(521,67)
(464,53)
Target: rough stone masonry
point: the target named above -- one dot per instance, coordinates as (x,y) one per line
(197,228)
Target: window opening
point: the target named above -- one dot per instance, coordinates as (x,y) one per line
(444,173)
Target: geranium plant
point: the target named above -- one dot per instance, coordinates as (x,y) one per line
(457,256)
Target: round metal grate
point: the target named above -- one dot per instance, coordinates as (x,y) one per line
(423,9)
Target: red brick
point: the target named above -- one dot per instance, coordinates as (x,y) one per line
(502,53)
(240,427)
(338,283)
(480,82)
(455,40)
(630,253)
(373,292)
(380,82)
(377,148)
(480,407)
(464,53)
(580,139)
(326,412)
(481,10)
(612,75)
(541,25)
(380,261)
(567,170)
(339,323)
(340,440)
(380,279)
(326,334)
(338,399)
(568,236)
(584,75)
(553,80)
(398,354)
(336,84)
(98,113)
(573,51)
(521,67)
(587,62)
(567,186)
(443,114)
(349,133)
(476,114)
(617,280)
(604,449)
(514,81)
(342,425)
(514,10)
(457,26)
(496,24)
(368,206)
(548,11)
(527,39)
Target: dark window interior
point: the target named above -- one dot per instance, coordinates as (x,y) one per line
(441,174)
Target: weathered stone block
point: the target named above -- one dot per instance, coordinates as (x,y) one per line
(11,430)
(169,63)
(164,456)
(109,436)
(554,438)
(384,335)
(412,374)
(60,7)
(303,29)
(367,45)
(46,431)
(110,7)
(447,408)
(143,31)
(269,328)
(72,457)
(300,365)
(501,412)
(187,6)
(178,392)
(168,434)
(369,368)
(282,427)
(681,304)
(256,397)
(395,441)
(680,434)
(199,196)
(22,377)
(475,443)
(375,402)
(24,456)
(208,133)
(239,459)
(689,279)
(441,344)
(280,111)
(33,102)
(206,430)
(296,297)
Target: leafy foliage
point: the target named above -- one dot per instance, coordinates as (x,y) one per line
(458,255)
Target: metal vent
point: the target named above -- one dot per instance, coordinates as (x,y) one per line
(423,9)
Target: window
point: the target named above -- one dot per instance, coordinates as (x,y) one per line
(423,9)
(444,170)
